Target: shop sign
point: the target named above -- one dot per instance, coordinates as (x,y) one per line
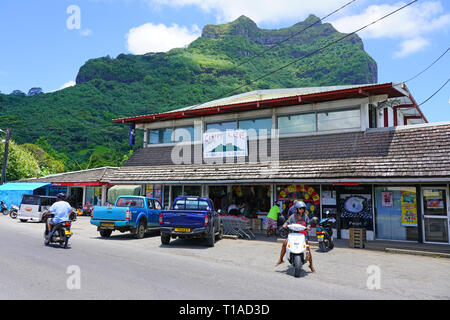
(231,143)
(409,209)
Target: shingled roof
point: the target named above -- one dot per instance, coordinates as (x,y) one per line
(415,152)
(89,175)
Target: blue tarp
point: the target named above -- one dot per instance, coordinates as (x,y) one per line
(11,193)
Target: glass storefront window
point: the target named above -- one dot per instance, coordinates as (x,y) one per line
(256,127)
(436,230)
(336,120)
(94,196)
(309,194)
(396,213)
(434,202)
(298,123)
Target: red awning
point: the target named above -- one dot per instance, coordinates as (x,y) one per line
(79,184)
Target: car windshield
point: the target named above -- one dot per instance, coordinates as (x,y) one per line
(31,200)
(191,204)
(130,202)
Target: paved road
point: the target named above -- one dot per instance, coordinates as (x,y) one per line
(124,268)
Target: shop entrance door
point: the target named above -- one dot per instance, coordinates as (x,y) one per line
(435,201)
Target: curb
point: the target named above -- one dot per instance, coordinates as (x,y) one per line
(418,253)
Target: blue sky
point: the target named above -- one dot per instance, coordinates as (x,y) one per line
(45,42)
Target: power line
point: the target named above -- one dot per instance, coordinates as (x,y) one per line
(284,40)
(325,46)
(434,93)
(429,65)
(294,34)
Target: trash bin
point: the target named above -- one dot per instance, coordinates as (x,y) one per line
(357,238)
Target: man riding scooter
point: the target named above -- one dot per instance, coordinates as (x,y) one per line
(300,217)
(61,210)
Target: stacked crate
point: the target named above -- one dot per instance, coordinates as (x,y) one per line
(357,238)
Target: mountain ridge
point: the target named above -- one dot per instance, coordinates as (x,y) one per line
(77,121)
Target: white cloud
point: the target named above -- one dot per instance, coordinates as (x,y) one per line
(71,83)
(408,47)
(86,32)
(409,26)
(413,21)
(159,38)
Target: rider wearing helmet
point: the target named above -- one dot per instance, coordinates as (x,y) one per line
(61,210)
(299,217)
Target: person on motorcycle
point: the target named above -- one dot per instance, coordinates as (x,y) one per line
(300,217)
(61,210)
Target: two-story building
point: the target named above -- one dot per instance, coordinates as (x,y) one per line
(365,153)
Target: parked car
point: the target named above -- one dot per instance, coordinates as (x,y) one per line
(191,217)
(135,214)
(33,207)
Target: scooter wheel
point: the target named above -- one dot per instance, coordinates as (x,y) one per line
(322,246)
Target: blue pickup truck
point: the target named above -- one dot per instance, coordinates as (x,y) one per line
(130,213)
(191,217)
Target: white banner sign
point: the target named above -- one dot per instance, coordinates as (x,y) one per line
(231,143)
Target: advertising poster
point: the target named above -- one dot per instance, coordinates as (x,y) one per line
(434,199)
(356,211)
(409,208)
(231,143)
(386,198)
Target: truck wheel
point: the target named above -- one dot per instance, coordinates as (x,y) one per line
(140,230)
(165,238)
(220,235)
(211,238)
(105,233)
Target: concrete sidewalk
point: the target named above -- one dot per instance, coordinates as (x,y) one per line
(401,247)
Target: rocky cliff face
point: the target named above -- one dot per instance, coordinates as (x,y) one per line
(243,38)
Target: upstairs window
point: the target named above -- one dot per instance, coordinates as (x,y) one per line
(256,127)
(169,135)
(297,123)
(221,126)
(336,120)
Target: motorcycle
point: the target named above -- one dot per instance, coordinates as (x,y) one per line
(324,233)
(282,232)
(61,233)
(296,249)
(13,211)
(4,208)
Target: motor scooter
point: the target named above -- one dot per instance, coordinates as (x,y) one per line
(324,233)
(60,233)
(13,211)
(4,208)
(296,249)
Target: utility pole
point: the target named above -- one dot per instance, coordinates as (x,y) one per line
(5,156)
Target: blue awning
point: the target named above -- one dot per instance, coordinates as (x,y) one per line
(11,193)
(19,186)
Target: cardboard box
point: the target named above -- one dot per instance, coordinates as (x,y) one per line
(256,224)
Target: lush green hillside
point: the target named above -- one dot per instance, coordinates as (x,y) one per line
(77,122)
